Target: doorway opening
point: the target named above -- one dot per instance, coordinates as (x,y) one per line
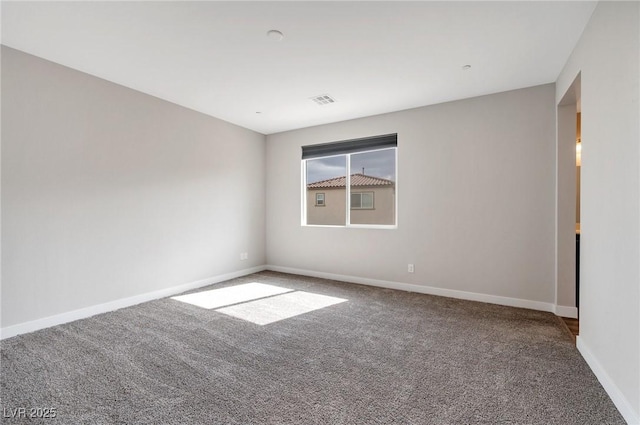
(578,169)
(568,188)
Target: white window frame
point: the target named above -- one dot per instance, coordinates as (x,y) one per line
(324,200)
(303,179)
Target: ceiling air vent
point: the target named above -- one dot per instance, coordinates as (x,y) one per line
(323,99)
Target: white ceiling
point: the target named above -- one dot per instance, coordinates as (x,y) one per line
(372,57)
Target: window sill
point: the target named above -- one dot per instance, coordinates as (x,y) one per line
(355,226)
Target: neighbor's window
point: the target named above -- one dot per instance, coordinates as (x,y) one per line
(354,180)
(362,201)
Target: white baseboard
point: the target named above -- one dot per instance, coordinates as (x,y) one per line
(566,311)
(82,313)
(451,293)
(620,401)
(70,316)
(623,405)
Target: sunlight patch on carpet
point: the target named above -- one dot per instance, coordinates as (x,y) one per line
(273,309)
(216,298)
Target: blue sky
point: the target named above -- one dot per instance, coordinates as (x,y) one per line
(377,164)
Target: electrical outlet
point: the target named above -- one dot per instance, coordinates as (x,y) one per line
(244,256)
(410,269)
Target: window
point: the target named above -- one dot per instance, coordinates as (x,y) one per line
(362,201)
(354,180)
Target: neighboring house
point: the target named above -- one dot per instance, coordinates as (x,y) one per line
(372,201)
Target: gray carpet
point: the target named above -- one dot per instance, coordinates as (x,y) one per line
(381,357)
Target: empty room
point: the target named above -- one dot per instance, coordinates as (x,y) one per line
(320,212)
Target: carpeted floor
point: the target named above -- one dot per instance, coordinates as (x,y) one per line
(381,357)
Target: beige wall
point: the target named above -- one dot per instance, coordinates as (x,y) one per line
(383,211)
(476,199)
(608,60)
(108,193)
(334,210)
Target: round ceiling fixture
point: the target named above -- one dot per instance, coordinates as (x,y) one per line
(275,35)
(466,67)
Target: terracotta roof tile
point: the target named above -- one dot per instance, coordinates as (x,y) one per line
(356,180)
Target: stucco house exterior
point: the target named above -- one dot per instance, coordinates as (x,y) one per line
(372,201)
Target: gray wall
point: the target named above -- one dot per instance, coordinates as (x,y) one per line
(607,56)
(476,195)
(108,193)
